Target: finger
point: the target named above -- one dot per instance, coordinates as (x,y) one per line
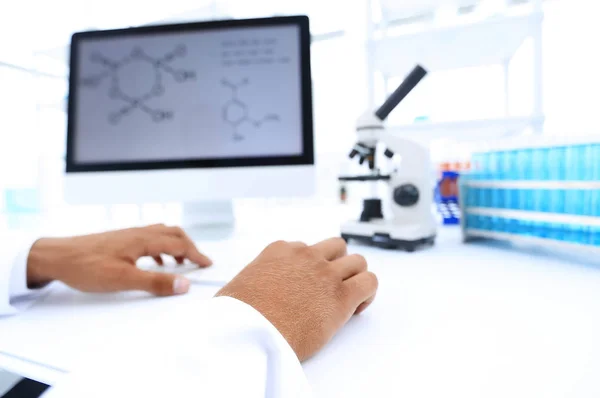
(361,308)
(159,284)
(360,291)
(158,260)
(158,245)
(297,245)
(285,245)
(155,227)
(194,255)
(350,266)
(332,249)
(180,260)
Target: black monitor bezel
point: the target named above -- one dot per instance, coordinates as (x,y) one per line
(307,156)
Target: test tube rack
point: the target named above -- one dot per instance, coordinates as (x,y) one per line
(544,194)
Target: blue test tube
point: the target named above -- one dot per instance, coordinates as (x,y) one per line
(554,231)
(556,163)
(540,229)
(571,161)
(571,201)
(486,197)
(476,164)
(487,223)
(574,172)
(497,198)
(595,236)
(567,233)
(587,235)
(501,170)
(502,197)
(595,203)
(512,226)
(494,173)
(556,159)
(588,162)
(494,224)
(507,200)
(471,221)
(502,225)
(537,164)
(481,224)
(523,170)
(525,227)
(493,165)
(508,173)
(485,166)
(595,174)
(529,197)
(475,197)
(578,233)
(469,197)
(582,165)
(539,173)
(545,176)
(512,164)
(587,174)
(527,160)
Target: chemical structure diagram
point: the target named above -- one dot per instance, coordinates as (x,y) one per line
(137,99)
(236,112)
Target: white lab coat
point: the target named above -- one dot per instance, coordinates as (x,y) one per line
(235,352)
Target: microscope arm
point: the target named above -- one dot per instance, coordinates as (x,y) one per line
(414,157)
(370,127)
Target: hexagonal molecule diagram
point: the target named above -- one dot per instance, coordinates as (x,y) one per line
(124,88)
(236,112)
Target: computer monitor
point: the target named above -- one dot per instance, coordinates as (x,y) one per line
(190,112)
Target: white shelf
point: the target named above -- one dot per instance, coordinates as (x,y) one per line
(469,130)
(579,185)
(535,216)
(394,9)
(532,240)
(492,41)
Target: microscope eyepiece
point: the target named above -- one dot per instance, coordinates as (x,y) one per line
(411,81)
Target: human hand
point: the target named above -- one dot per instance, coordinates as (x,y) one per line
(106,262)
(307,292)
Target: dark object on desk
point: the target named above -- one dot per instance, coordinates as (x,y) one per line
(384,241)
(27,388)
(371,177)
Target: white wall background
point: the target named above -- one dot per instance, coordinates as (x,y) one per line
(571,65)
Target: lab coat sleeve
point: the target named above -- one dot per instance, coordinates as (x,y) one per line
(14,293)
(226,349)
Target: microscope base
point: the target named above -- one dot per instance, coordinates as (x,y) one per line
(389,236)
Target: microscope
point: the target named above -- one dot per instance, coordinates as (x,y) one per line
(410,186)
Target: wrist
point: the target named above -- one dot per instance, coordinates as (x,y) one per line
(42,261)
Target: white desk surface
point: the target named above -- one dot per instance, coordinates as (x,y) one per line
(454,320)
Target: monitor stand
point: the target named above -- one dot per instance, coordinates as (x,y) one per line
(211,215)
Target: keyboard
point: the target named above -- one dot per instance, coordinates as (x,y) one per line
(216,274)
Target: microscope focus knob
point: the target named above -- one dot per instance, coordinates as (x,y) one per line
(406,195)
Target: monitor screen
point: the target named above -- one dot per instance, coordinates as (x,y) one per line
(215,94)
